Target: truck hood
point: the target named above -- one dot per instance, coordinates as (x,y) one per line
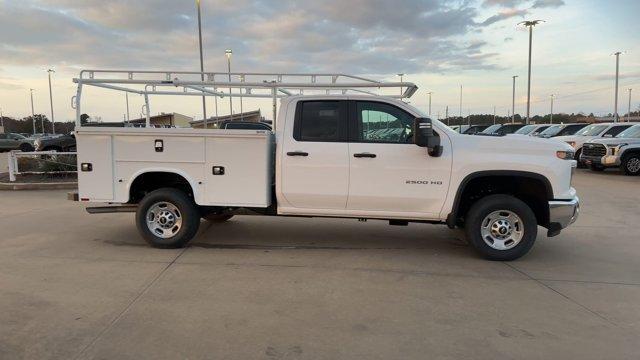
(616,141)
(516,144)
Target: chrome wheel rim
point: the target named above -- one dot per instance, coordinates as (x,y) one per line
(164,220)
(633,165)
(502,230)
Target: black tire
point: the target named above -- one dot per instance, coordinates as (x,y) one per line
(494,203)
(186,211)
(630,164)
(26,147)
(217,218)
(595,167)
(581,165)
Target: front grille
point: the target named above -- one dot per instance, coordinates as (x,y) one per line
(594,150)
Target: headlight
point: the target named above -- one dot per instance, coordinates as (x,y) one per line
(572,143)
(37,143)
(565,155)
(616,150)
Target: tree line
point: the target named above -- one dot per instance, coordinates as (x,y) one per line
(42,125)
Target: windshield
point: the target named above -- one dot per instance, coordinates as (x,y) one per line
(632,132)
(526,130)
(491,129)
(592,130)
(551,131)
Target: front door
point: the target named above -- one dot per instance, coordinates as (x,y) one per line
(388,172)
(315,162)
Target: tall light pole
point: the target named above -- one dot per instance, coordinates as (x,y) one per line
(241,110)
(429,93)
(228,53)
(126,97)
(33,113)
(552,96)
(629,110)
(53,124)
(616,118)
(494,114)
(513,100)
(461,104)
(204,103)
(530,25)
(401,75)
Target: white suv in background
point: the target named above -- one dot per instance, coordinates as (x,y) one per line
(594,131)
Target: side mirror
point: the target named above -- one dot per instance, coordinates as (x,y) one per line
(424,136)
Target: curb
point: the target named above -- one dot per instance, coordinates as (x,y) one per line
(39,186)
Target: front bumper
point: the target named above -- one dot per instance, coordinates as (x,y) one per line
(562,213)
(591,160)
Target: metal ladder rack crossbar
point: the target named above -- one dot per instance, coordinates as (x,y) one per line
(178,83)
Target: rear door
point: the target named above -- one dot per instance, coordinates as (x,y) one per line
(315,162)
(388,172)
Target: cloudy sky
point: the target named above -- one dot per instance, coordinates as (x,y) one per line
(440,44)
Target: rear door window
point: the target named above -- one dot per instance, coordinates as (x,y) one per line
(321,121)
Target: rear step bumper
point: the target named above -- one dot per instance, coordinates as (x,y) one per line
(112,209)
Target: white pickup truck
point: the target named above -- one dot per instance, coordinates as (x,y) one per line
(348,155)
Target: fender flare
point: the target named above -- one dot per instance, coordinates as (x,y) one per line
(143,171)
(453,215)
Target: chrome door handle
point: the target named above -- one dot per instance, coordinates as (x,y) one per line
(297,153)
(364,155)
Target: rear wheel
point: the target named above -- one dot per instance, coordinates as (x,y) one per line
(501,227)
(167,218)
(631,164)
(26,147)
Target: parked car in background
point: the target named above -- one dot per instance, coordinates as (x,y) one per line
(12,141)
(532,130)
(561,130)
(603,153)
(474,129)
(593,131)
(501,129)
(244,125)
(627,156)
(56,143)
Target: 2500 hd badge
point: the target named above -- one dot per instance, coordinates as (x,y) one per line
(423,182)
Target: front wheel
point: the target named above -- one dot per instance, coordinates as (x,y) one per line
(631,165)
(501,227)
(167,218)
(26,147)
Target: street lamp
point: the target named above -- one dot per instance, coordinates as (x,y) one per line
(552,96)
(204,103)
(460,104)
(33,114)
(629,110)
(513,100)
(530,25)
(615,110)
(228,53)
(53,124)
(429,93)
(401,75)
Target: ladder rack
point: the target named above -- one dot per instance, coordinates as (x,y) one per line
(250,85)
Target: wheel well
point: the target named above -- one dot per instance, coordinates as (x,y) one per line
(535,191)
(150,181)
(628,153)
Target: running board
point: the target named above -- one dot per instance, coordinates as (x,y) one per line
(112,209)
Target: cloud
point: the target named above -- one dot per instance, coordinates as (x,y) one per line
(363,36)
(502,3)
(503,15)
(539,4)
(10,86)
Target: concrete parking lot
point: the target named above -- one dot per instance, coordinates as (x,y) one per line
(74,285)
